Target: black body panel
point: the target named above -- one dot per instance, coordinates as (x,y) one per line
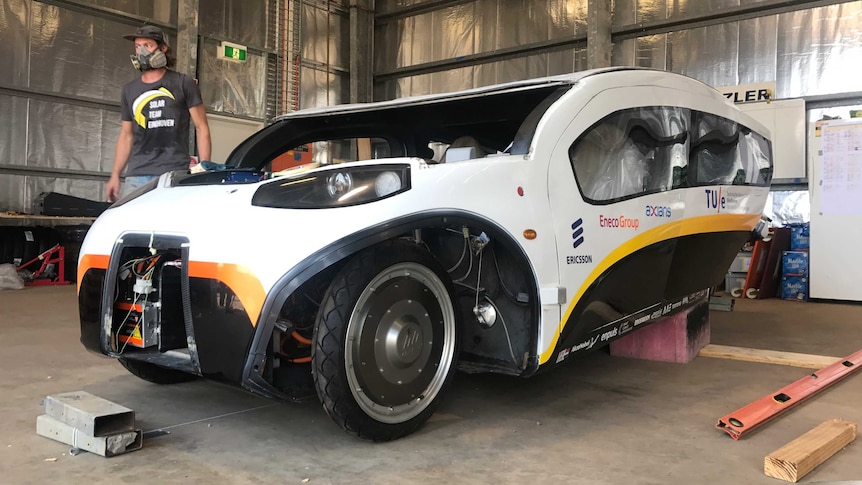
(657,276)
(90,309)
(222,330)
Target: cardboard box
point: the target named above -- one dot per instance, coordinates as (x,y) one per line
(794,263)
(799,237)
(794,288)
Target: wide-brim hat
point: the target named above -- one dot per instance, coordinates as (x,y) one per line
(148,32)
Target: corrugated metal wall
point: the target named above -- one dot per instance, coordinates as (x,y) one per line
(66,63)
(807,52)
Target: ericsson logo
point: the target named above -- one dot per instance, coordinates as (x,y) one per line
(578,233)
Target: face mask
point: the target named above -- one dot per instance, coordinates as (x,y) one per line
(143,60)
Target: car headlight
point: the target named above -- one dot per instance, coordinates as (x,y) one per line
(338,187)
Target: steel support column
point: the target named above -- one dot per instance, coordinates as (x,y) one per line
(187,37)
(361,51)
(598,34)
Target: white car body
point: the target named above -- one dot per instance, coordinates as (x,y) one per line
(528,199)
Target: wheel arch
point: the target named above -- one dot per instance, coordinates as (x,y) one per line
(336,253)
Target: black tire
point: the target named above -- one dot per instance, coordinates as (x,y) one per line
(155,374)
(388,314)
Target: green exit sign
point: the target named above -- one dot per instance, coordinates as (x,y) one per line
(232,52)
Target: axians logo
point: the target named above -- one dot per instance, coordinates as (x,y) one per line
(578,233)
(657,211)
(619,222)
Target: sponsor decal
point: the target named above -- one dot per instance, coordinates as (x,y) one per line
(579,259)
(562,355)
(621,222)
(714,200)
(586,344)
(642,319)
(724,199)
(657,211)
(625,327)
(610,334)
(577,233)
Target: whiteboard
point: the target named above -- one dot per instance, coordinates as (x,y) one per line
(785,118)
(835,185)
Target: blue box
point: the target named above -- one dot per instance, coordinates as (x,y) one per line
(799,236)
(794,288)
(794,263)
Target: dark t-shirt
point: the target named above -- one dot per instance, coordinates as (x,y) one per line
(159,113)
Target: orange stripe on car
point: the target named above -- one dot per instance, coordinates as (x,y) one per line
(685,227)
(91,261)
(238,278)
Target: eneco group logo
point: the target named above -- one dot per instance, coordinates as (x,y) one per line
(578,233)
(621,222)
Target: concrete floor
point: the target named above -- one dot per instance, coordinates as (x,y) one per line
(595,420)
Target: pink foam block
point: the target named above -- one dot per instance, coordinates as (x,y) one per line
(677,338)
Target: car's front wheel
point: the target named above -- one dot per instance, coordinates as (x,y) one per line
(385,341)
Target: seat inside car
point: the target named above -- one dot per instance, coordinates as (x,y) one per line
(463,148)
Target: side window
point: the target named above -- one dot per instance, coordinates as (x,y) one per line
(632,152)
(641,151)
(724,152)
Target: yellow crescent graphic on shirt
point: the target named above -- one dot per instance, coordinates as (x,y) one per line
(144,99)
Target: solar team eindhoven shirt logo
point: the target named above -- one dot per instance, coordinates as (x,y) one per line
(150,101)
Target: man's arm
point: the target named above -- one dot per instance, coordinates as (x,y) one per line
(121,157)
(202,131)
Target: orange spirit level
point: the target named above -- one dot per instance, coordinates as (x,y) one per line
(745,419)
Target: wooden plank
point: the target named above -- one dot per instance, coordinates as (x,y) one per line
(792,359)
(797,458)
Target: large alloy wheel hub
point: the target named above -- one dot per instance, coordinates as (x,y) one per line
(400,342)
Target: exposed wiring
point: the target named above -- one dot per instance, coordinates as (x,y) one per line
(142,268)
(469,269)
(299,338)
(505,330)
(479,278)
(506,290)
(461,259)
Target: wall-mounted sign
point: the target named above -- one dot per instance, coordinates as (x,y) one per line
(749,93)
(232,52)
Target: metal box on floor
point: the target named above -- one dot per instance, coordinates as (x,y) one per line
(110,445)
(90,414)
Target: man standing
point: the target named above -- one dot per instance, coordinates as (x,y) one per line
(155,112)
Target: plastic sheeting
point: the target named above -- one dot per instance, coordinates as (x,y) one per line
(320,89)
(239,21)
(233,87)
(74,54)
(325,36)
(785,207)
(538,65)
(807,52)
(164,11)
(473,28)
(78,54)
